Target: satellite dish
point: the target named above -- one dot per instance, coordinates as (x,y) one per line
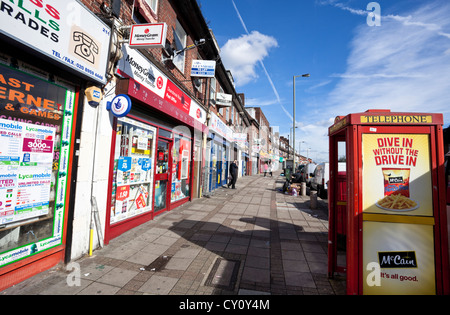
(168,50)
(197,82)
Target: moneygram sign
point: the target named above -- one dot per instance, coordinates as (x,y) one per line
(64,31)
(148,36)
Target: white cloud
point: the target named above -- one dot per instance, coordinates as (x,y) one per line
(319,85)
(402,65)
(242,55)
(260,102)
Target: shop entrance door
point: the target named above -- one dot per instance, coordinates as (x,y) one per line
(162,178)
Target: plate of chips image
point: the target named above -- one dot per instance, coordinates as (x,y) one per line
(397,202)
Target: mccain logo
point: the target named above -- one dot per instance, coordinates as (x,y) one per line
(397,259)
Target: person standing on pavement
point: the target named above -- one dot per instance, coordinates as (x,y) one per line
(266,167)
(234,174)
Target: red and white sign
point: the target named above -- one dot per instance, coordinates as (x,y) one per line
(37,145)
(148,35)
(123,193)
(135,66)
(175,96)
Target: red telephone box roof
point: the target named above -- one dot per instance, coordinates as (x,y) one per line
(385,117)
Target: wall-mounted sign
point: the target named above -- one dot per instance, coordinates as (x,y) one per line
(240,138)
(203,68)
(220,128)
(120,106)
(148,35)
(134,65)
(65,31)
(224,100)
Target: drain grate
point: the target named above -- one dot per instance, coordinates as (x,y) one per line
(223,274)
(159,263)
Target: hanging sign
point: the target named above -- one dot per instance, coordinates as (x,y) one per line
(148,36)
(120,106)
(203,68)
(223,99)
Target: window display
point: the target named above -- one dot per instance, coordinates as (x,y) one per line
(133,170)
(35,135)
(162,171)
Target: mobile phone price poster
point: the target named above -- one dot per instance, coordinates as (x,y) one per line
(26,159)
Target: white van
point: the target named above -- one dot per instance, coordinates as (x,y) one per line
(307,173)
(321,177)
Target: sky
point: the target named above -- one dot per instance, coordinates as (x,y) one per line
(360,55)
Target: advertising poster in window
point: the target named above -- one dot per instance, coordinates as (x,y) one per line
(26,187)
(397,174)
(133,180)
(405,255)
(398,230)
(36,119)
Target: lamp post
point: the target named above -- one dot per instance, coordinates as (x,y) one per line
(293,144)
(307,75)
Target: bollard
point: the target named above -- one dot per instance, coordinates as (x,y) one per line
(313,198)
(303,188)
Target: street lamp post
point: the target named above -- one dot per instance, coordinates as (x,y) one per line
(300,147)
(293,145)
(307,75)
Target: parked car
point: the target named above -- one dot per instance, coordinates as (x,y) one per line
(307,173)
(321,177)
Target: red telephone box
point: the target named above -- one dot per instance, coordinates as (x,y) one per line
(387,214)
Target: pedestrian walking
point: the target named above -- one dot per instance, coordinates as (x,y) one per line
(234,174)
(266,167)
(270,169)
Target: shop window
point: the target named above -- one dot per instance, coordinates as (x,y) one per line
(181,155)
(36,119)
(180,39)
(212,91)
(153,4)
(133,170)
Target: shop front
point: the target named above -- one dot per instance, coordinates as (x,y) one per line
(43,73)
(221,152)
(153,146)
(36,119)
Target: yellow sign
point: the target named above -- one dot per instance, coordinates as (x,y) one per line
(398,222)
(397,119)
(398,259)
(397,174)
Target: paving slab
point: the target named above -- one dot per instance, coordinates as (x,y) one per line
(276,242)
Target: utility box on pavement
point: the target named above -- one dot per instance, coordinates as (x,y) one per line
(394,239)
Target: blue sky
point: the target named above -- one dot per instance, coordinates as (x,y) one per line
(403,64)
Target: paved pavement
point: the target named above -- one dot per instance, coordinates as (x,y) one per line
(249,240)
